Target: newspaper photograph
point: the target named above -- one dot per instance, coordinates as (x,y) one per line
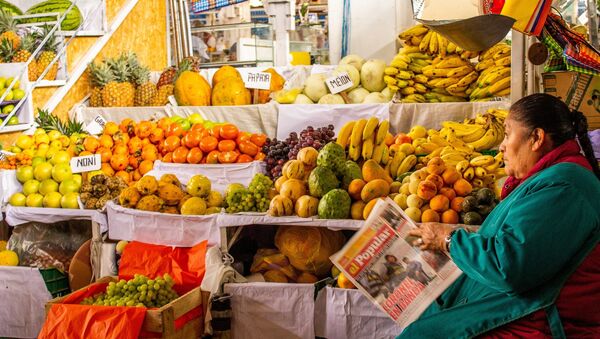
(386,264)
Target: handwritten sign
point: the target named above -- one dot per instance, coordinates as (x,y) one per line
(339,83)
(86,163)
(96,126)
(258,80)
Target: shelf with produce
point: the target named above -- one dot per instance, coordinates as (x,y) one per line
(16,216)
(51,83)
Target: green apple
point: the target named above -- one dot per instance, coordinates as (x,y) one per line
(14,120)
(9,96)
(41,138)
(18,94)
(60,157)
(195,118)
(77,178)
(48,186)
(24,141)
(24,173)
(37,160)
(69,200)
(30,187)
(2,82)
(52,200)
(176,118)
(39,131)
(185,123)
(42,171)
(34,200)
(61,172)
(68,186)
(18,199)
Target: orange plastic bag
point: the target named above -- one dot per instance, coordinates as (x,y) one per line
(184,264)
(74,321)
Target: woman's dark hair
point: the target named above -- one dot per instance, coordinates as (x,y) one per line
(554,117)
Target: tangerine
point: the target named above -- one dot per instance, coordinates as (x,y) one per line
(450,217)
(430,216)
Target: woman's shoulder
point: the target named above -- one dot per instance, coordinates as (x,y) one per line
(570,175)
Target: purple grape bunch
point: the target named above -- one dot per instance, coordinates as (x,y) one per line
(278,152)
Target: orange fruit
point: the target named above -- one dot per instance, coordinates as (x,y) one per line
(124,175)
(157,135)
(106,141)
(462,187)
(136,175)
(171,143)
(180,154)
(450,175)
(226,145)
(456,204)
(111,128)
(109,171)
(448,192)
(145,166)
(437,180)
(105,153)
(450,217)
(168,157)
(119,162)
(194,156)
(439,203)
(91,144)
(430,216)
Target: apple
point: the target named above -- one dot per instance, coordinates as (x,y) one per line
(42,139)
(34,200)
(31,187)
(69,200)
(61,172)
(68,186)
(176,118)
(195,118)
(54,135)
(199,186)
(43,171)
(77,178)
(52,200)
(24,141)
(185,123)
(48,186)
(18,94)
(17,199)
(402,138)
(37,160)
(60,157)
(24,173)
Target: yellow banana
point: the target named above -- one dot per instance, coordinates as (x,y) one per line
(415,30)
(435,153)
(453,157)
(357,133)
(495,76)
(438,140)
(477,134)
(480,172)
(493,166)
(415,97)
(370,127)
(421,79)
(385,158)
(503,62)
(433,82)
(343,137)
(485,142)
(415,40)
(433,43)
(484,65)
(382,131)
(355,151)
(500,172)
(442,45)
(409,162)
(447,82)
(503,53)
(378,153)
(451,47)
(404,57)
(408,50)
(424,45)
(503,93)
(489,179)
(415,68)
(418,56)
(396,162)
(468,79)
(456,89)
(469,173)
(367,149)
(428,147)
(389,80)
(390,70)
(420,88)
(500,85)
(399,64)
(462,166)
(393,88)
(460,71)
(401,83)
(408,91)
(489,53)
(404,75)
(452,62)
(422,62)
(477,183)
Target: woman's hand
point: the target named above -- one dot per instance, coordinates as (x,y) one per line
(433,235)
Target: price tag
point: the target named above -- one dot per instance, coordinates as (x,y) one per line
(339,83)
(96,126)
(258,80)
(86,163)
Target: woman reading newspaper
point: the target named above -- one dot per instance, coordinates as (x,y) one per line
(532,270)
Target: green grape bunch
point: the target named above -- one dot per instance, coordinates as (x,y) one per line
(139,292)
(255,198)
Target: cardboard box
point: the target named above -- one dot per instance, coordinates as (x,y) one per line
(162,320)
(579,91)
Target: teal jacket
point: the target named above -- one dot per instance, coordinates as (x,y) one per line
(521,256)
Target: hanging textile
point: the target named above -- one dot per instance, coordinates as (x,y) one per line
(530,14)
(198,6)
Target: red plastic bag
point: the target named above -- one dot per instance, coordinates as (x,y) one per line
(186,265)
(74,321)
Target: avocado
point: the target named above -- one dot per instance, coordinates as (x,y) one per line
(469,204)
(485,196)
(472,218)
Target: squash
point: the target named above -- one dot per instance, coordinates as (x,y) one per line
(191,89)
(277,82)
(231,92)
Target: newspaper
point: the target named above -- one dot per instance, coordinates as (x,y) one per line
(383,261)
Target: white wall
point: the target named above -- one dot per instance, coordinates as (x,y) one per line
(374,26)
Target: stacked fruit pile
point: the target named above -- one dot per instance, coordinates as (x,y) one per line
(99,189)
(11,162)
(279,151)
(494,79)
(254,198)
(48,183)
(167,196)
(139,292)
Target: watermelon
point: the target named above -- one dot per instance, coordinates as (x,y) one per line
(71,21)
(7,6)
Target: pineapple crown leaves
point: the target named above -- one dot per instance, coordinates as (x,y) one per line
(184,65)
(100,74)
(50,122)
(120,68)
(141,75)
(6,50)
(7,22)
(29,42)
(51,44)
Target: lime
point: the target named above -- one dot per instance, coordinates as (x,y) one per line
(13,120)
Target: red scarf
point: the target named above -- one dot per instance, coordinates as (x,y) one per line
(567,152)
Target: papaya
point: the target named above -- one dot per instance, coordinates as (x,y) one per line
(371,170)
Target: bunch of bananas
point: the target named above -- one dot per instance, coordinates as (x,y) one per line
(365,139)
(484,132)
(432,43)
(494,80)
(452,75)
(404,74)
(483,170)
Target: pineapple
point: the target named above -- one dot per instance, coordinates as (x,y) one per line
(8,28)
(24,53)
(48,54)
(100,75)
(146,90)
(167,77)
(50,122)
(194,63)
(162,97)
(7,51)
(120,92)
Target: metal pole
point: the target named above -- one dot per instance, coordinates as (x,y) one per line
(592,22)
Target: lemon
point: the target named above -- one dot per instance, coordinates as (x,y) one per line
(9,258)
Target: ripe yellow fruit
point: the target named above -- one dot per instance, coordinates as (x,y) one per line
(9,258)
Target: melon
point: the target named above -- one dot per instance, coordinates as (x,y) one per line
(303,99)
(72,20)
(358,95)
(355,60)
(315,87)
(8,7)
(371,75)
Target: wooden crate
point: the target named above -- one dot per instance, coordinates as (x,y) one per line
(162,320)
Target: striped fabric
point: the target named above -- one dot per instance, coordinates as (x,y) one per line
(198,6)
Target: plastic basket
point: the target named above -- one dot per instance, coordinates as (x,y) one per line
(56,282)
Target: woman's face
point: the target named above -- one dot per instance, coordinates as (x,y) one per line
(518,155)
